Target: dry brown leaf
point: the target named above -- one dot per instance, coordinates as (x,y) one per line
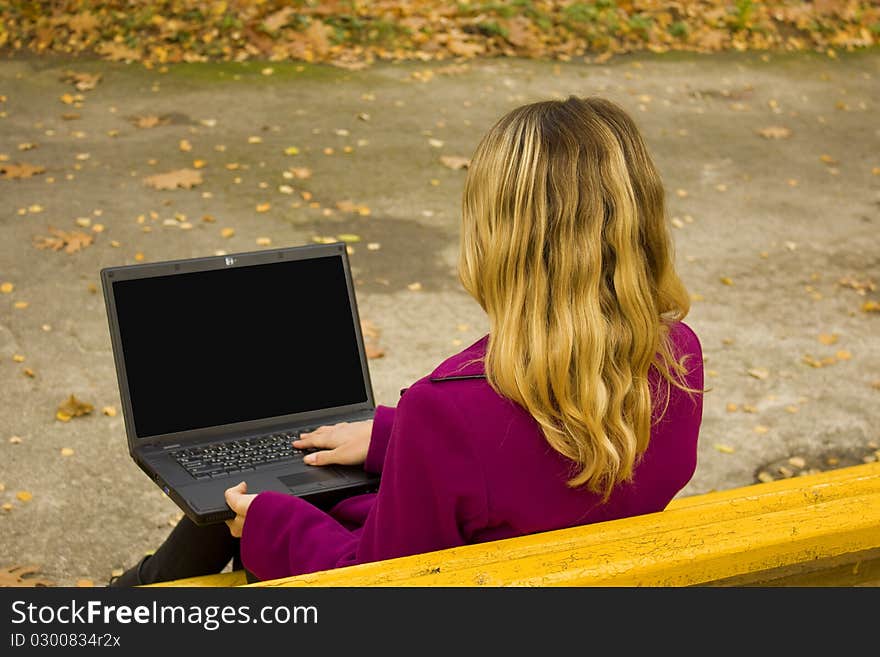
(148,121)
(274,22)
(828,338)
(373,350)
(116,52)
(759,372)
(18,576)
(82,81)
(185,178)
(455,161)
(70,241)
(73,407)
(12,171)
(827,159)
(861,286)
(109,411)
(369,329)
(301,173)
(775,132)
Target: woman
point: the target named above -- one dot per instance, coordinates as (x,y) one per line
(582,404)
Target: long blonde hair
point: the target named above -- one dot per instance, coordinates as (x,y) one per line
(565,246)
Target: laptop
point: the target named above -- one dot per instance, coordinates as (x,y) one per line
(223,361)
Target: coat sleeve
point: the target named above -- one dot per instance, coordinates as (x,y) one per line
(383,420)
(432,495)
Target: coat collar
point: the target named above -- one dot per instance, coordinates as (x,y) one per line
(468,363)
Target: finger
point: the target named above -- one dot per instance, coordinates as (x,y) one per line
(234,495)
(325,457)
(322,429)
(235,526)
(321,441)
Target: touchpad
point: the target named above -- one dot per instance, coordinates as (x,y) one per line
(312,476)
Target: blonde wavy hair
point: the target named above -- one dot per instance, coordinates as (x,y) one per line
(565,245)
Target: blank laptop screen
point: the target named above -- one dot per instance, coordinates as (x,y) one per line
(210,348)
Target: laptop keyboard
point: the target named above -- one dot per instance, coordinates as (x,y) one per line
(245,455)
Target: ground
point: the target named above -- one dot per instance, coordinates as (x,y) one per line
(765,229)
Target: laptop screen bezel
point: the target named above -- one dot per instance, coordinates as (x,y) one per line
(110,275)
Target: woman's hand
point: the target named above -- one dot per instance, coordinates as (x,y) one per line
(239,502)
(345,443)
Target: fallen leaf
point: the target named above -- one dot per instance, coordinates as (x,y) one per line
(21,305)
(415,287)
(348,237)
(264,241)
(149,121)
(759,372)
(18,171)
(84,583)
(724,449)
(18,358)
(369,329)
(374,351)
(765,477)
(263,207)
(871,307)
(6,507)
(436,143)
(185,145)
(227,232)
(731,407)
(775,132)
(828,338)
(18,576)
(185,178)
(66,451)
(455,161)
(373,246)
(24,496)
(301,173)
(72,407)
(71,242)
(797,462)
(27,371)
(15,440)
(7,287)
(843,354)
(760,428)
(82,81)
(726,280)
(827,159)
(109,411)
(862,287)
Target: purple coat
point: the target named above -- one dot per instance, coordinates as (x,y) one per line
(460,464)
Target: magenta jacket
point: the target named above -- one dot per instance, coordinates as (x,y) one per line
(460,464)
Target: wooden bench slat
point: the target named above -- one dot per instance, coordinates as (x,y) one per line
(690,518)
(798,527)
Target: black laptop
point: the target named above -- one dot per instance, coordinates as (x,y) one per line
(221,363)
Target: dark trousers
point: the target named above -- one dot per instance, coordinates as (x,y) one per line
(191,550)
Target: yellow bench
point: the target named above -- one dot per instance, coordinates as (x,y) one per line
(815,530)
